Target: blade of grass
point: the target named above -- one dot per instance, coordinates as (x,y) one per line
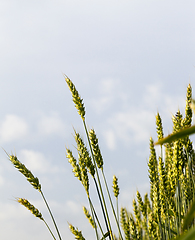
(175,136)
(189,235)
(189,217)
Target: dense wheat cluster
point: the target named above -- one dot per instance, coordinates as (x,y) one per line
(171,186)
(166,212)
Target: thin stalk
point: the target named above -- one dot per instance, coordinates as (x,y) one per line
(117,211)
(49,229)
(101,204)
(99,183)
(161,152)
(92,212)
(169,231)
(179,204)
(117,222)
(51,215)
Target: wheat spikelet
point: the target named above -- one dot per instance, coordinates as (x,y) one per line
(133,229)
(125,223)
(84,157)
(188,110)
(80,171)
(147,205)
(159,127)
(30,207)
(88,216)
(163,193)
(115,186)
(78,234)
(76,98)
(34,181)
(152,226)
(138,221)
(73,162)
(85,180)
(153,171)
(96,150)
(142,206)
(177,121)
(143,209)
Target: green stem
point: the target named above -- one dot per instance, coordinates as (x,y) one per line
(117,222)
(101,204)
(92,212)
(51,215)
(102,195)
(49,229)
(117,209)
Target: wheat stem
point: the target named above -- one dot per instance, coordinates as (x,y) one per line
(99,183)
(117,222)
(49,229)
(51,215)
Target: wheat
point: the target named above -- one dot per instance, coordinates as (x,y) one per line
(84,157)
(89,217)
(30,207)
(80,170)
(189,107)
(76,98)
(73,162)
(34,181)
(125,223)
(78,234)
(115,186)
(159,126)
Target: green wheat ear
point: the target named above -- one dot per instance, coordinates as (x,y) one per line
(34,181)
(115,186)
(96,149)
(80,170)
(76,169)
(30,207)
(190,105)
(88,216)
(84,157)
(76,98)
(159,127)
(78,234)
(125,223)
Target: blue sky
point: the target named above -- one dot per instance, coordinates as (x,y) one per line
(128,60)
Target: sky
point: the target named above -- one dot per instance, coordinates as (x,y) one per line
(128,59)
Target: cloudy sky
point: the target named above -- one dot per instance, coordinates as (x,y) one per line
(128,60)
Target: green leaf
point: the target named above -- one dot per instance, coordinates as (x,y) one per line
(175,136)
(189,235)
(189,216)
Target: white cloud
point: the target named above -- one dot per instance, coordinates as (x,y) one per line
(100,105)
(13,128)
(153,94)
(36,161)
(1,181)
(108,85)
(137,123)
(108,91)
(110,137)
(132,125)
(51,124)
(73,207)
